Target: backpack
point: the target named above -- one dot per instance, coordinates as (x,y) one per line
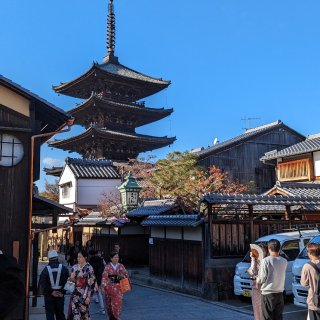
(316,296)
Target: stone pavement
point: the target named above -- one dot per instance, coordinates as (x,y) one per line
(153,304)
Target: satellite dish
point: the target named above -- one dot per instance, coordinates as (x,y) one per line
(215,141)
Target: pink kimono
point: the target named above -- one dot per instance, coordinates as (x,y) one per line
(256,292)
(110,282)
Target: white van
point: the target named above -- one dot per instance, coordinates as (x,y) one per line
(300,293)
(291,244)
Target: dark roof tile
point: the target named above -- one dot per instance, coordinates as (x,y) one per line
(185,220)
(92,169)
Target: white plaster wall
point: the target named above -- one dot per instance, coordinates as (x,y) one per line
(157,232)
(316,163)
(106,231)
(132,230)
(194,234)
(174,233)
(90,191)
(67,176)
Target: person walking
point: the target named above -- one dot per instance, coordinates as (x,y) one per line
(52,280)
(12,290)
(98,267)
(256,291)
(82,275)
(112,274)
(271,277)
(310,277)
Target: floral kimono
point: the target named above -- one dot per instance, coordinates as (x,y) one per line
(85,283)
(110,282)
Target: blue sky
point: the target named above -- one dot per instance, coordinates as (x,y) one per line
(227,60)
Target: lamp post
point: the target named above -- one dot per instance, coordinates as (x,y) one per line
(129,191)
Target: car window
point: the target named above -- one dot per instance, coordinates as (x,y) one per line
(304,253)
(305,241)
(290,249)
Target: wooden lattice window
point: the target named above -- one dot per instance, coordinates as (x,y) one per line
(295,170)
(11,150)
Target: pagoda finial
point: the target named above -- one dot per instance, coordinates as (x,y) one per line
(111,34)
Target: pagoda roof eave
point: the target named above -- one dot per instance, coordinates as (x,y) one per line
(134,109)
(115,72)
(116,135)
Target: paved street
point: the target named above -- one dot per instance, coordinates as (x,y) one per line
(153,304)
(291,312)
(156,304)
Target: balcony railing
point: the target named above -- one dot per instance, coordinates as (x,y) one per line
(295,170)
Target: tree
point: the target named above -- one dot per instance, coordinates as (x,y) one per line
(142,169)
(179,176)
(110,205)
(51,191)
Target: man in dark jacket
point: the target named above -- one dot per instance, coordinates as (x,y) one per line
(98,267)
(12,290)
(52,281)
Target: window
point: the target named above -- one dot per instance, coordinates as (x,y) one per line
(11,150)
(290,249)
(65,189)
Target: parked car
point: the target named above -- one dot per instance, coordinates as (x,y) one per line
(300,293)
(291,244)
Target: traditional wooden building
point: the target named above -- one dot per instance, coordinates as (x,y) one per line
(176,249)
(23,115)
(240,156)
(112,111)
(84,183)
(298,173)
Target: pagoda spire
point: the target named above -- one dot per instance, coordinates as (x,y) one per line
(111,34)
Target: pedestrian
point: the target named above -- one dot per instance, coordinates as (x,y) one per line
(51,283)
(113,273)
(310,277)
(271,277)
(73,253)
(12,289)
(82,275)
(256,291)
(117,248)
(98,266)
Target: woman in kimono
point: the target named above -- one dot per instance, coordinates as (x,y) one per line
(113,273)
(256,292)
(83,276)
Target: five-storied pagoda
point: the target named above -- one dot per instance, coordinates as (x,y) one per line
(111,111)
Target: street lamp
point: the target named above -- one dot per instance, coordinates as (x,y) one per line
(129,191)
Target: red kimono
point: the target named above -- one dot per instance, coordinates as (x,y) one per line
(110,283)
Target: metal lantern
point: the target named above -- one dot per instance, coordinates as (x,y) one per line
(130,192)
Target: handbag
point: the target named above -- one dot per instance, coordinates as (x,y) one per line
(69,286)
(125,285)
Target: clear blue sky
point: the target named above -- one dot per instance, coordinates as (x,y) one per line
(227,59)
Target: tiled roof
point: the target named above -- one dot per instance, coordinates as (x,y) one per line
(30,94)
(311,144)
(47,203)
(153,207)
(50,116)
(92,169)
(184,220)
(113,134)
(306,189)
(243,137)
(121,70)
(253,199)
